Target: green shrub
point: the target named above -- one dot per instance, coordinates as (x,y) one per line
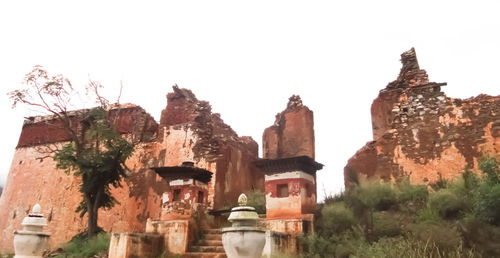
(349,242)
(385,225)
(412,193)
(487,203)
(372,195)
(459,219)
(481,236)
(342,245)
(443,236)
(427,214)
(470,179)
(79,247)
(82,236)
(367,198)
(464,190)
(381,195)
(411,248)
(282,255)
(257,199)
(334,198)
(411,198)
(336,219)
(347,247)
(387,247)
(317,246)
(167,254)
(441,183)
(489,166)
(447,204)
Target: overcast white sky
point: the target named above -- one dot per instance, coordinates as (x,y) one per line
(248,57)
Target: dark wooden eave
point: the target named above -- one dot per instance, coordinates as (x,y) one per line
(184,172)
(302,163)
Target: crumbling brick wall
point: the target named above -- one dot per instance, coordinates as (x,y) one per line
(421,133)
(204,138)
(127,119)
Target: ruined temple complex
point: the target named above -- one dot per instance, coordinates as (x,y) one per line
(420,133)
(192,161)
(191,158)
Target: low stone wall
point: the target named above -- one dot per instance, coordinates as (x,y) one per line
(131,245)
(280,243)
(176,234)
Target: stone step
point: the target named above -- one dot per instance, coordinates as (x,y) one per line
(212,231)
(213,237)
(204,255)
(206,242)
(207,249)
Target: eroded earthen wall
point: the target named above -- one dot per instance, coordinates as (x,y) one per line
(421,133)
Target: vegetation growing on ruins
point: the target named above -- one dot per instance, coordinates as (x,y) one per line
(257,199)
(97,246)
(452,219)
(96,153)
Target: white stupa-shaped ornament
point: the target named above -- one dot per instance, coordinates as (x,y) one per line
(243,239)
(31,241)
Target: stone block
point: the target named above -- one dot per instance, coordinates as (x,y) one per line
(133,245)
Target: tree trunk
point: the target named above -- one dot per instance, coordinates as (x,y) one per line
(92,217)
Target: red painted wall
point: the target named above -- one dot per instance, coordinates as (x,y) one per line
(296,204)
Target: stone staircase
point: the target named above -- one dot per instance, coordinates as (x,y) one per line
(209,247)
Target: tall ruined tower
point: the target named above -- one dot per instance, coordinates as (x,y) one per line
(420,133)
(292,133)
(290,168)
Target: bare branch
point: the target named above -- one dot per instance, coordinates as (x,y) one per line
(120,93)
(50,94)
(118,106)
(94,86)
(47,151)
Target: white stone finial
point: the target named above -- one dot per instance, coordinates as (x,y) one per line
(242,200)
(36,209)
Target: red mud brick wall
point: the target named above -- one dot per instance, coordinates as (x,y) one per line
(421,133)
